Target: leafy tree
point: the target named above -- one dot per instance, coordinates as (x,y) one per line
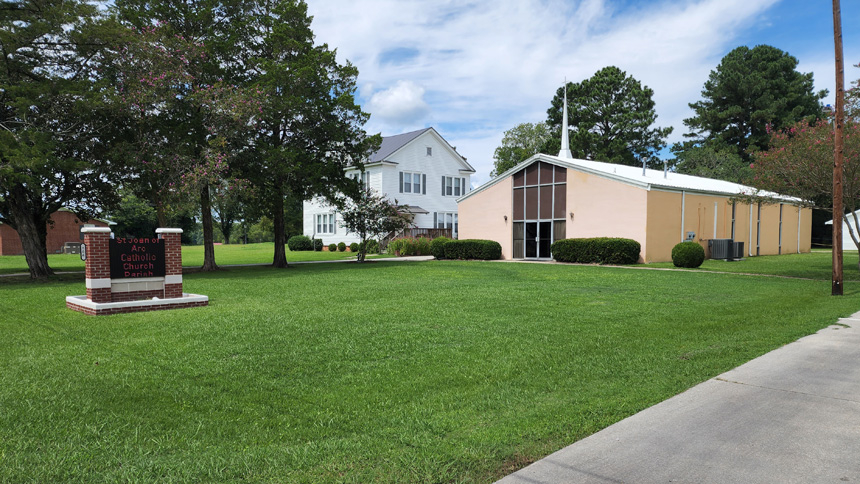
(710,161)
(800,163)
(134,217)
(52,118)
(200,126)
(230,204)
(610,117)
(518,144)
(371,216)
(310,127)
(750,90)
(852,100)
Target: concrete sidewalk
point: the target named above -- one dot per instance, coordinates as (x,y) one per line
(790,416)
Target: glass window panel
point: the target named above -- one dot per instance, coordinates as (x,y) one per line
(560,208)
(456,225)
(532,174)
(407,183)
(559,227)
(546,173)
(456,187)
(560,174)
(520,178)
(449,220)
(448,185)
(531,203)
(546,202)
(518,240)
(416,182)
(519,208)
(530,240)
(545,239)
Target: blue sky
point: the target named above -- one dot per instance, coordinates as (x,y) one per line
(474,69)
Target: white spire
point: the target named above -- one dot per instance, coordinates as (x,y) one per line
(565,141)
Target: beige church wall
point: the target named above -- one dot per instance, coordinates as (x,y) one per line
(482,216)
(663,225)
(605,208)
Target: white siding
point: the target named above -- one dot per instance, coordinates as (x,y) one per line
(386,178)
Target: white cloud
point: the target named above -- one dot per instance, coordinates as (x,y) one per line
(475,69)
(401,104)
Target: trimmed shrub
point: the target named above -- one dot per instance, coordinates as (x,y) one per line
(372,246)
(300,242)
(597,250)
(341,246)
(332,247)
(472,249)
(409,246)
(353,247)
(318,245)
(688,254)
(437,247)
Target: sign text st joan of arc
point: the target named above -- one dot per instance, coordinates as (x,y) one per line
(136,257)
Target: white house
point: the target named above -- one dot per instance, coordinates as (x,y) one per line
(419,169)
(848,219)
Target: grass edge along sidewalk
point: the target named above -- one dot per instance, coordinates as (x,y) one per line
(461,371)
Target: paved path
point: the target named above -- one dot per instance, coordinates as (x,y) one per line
(790,416)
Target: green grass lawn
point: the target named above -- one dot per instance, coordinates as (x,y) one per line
(816,265)
(382,372)
(192,256)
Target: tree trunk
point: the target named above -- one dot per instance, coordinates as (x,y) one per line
(226,230)
(280,259)
(33,232)
(208,235)
(160,214)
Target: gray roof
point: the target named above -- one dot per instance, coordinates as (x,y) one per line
(390,144)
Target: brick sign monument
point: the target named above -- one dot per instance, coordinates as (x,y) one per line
(127,275)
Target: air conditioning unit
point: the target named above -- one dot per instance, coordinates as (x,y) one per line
(721,248)
(738,250)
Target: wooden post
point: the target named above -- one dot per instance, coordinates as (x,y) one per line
(838,152)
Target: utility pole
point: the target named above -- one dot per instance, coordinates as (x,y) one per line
(838,152)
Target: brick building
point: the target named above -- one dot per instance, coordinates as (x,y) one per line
(66,228)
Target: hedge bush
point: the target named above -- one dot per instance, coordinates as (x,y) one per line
(353,247)
(341,246)
(332,247)
(318,245)
(597,250)
(300,242)
(409,246)
(688,254)
(437,247)
(372,246)
(472,249)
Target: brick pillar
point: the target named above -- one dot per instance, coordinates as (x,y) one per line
(97,240)
(172,261)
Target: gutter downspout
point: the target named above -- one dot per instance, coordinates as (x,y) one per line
(715,219)
(798,229)
(750,245)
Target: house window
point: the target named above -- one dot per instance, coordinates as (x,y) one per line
(429,151)
(363,178)
(453,186)
(325,223)
(448,220)
(411,182)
